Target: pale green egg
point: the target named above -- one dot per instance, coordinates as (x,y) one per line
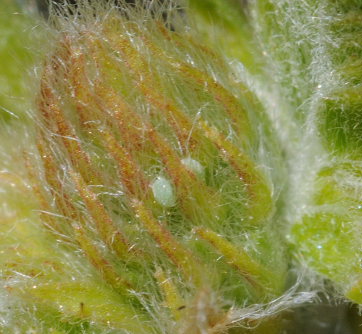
(163,192)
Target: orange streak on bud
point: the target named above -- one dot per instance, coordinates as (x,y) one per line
(79,86)
(49,106)
(232,107)
(173,300)
(259,277)
(178,254)
(179,122)
(104,223)
(45,100)
(131,175)
(241,163)
(182,177)
(259,192)
(130,125)
(62,200)
(98,261)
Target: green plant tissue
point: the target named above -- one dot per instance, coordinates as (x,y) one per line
(178,167)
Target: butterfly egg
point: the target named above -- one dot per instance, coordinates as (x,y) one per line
(163,192)
(194,166)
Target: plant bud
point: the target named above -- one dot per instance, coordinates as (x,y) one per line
(149,173)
